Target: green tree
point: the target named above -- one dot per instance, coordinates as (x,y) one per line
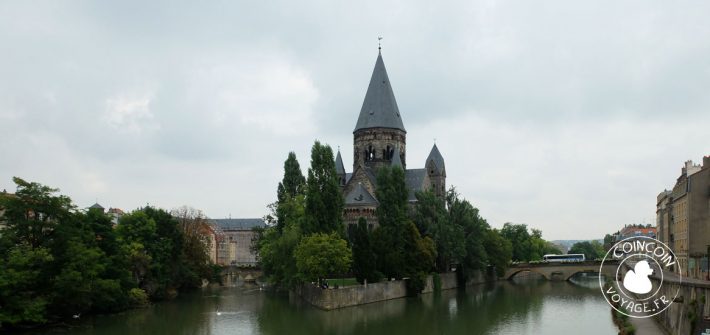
(401,250)
(61,257)
(292,185)
(155,247)
(609,240)
(432,219)
(276,254)
(591,249)
(499,251)
(364,264)
(195,229)
(57,261)
(135,231)
(277,243)
(23,280)
(463,214)
(527,245)
(519,238)
(392,194)
(540,247)
(321,254)
(33,212)
(324,199)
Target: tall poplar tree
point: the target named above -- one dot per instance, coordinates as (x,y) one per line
(401,250)
(292,186)
(324,200)
(293,182)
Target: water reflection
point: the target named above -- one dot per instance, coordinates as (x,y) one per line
(523,306)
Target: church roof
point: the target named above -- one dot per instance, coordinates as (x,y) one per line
(414,178)
(238,224)
(380,107)
(360,196)
(339,167)
(96,206)
(437,158)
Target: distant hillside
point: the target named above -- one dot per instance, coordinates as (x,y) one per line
(565,245)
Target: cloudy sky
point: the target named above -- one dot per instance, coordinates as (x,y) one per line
(569,116)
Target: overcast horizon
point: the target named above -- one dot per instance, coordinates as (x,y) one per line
(569,117)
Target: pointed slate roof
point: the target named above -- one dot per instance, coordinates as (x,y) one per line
(96,206)
(360,196)
(380,107)
(396,161)
(339,167)
(436,157)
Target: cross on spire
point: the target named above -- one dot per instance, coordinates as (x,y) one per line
(379,43)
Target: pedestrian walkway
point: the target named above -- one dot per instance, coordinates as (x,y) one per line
(647,326)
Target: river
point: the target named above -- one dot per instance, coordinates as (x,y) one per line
(523,306)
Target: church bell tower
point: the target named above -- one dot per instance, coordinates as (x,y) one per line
(379,134)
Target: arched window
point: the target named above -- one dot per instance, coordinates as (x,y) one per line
(388,153)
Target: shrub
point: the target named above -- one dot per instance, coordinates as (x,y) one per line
(137,297)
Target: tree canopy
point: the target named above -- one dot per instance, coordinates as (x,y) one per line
(320,254)
(324,200)
(58,261)
(591,249)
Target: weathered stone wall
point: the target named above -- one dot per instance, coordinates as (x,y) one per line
(329,299)
(691,306)
(379,139)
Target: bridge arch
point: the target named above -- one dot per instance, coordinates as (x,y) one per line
(513,273)
(571,274)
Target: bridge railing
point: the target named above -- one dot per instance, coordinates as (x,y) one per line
(547,264)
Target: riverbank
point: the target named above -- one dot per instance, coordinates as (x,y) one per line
(330,299)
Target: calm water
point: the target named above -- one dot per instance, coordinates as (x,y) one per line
(518,307)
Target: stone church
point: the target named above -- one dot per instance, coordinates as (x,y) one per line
(380,140)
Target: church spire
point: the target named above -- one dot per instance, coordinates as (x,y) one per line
(379,110)
(339,167)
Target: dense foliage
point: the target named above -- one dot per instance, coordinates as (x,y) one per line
(591,249)
(463,238)
(324,200)
(322,254)
(527,245)
(293,184)
(400,249)
(364,264)
(305,214)
(58,262)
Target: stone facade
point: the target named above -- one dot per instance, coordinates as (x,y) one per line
(379,140)
(234,241)
(375,147)
(683,218)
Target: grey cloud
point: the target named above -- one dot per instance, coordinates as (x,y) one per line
(536,106)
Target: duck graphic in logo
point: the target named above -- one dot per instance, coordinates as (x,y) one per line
(636,280)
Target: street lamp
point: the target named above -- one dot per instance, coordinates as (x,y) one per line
(707,257)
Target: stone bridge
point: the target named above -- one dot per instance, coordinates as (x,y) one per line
(562,271)
(243,273)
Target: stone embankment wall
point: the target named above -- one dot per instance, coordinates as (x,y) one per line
(691,308)
(329,299)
